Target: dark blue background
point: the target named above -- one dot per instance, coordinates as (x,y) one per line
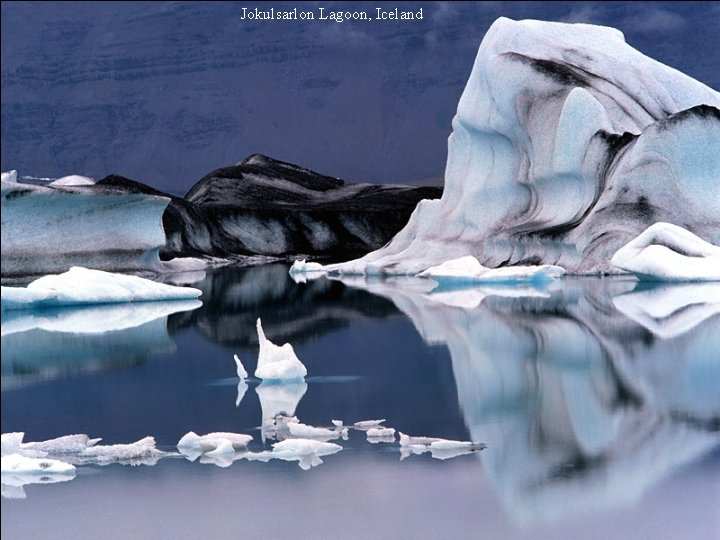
(165,92)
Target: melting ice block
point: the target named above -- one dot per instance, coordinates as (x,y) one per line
(86,286)
(306,452)
(241,372)
(666,252)
(469,269)
(303,431)
(277,363)
(302,267)
(192,445)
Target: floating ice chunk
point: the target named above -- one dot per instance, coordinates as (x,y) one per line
(670,310)
(298,430)
(11,443)
(444,444)
(277,363)
(73,180)
(306,452)
(407,440)
(367,424)
(380,434)
(142,452)
(9,177)
(666,252)
(192,444)
(337,423)
(469,269)
(302,267)
(241,372)
(66,444)
(19,464)
(86,286)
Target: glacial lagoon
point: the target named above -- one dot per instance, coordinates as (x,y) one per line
(598,400)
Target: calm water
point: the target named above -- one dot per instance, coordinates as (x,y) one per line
(599,401)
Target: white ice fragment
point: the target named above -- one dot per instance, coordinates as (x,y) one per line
(18,464)
(217,442)
(666,252)
(337,423)
(139,452)
(306,452)
(381,434)
(367,424)
(407,440)
(299,430)
(86,286)
(445,444)
(66,444)
(469,269)
(241,372)
(302,267)
(277,363)
(73,180)
(10,443)
(9,177)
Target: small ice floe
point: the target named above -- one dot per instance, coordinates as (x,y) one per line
(380,435)
(86,286)
(73,180)
(67,444)
(364,425)
(142,452)
(213,445)
(19,464)
(302,271)
(469,269)
(242,383)
(438,448)
(277,363)
(666,252)
(306,452)
(303,431)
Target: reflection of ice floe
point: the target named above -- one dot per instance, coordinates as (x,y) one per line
(306,452)
(278,401)
(19,471)
(670,310)
(583,409)
(92,319)
(666,252)
(439,448)
(468,269)
(40,345)
(87,286)
(242,384)
(277,363)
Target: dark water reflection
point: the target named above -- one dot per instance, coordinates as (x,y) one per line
(598,399)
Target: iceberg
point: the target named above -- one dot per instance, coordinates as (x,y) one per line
(277,363)
(567,143)
(666,252)
(380,434)
(303,431)
(241,372)
(469,270)
(87,286)
(48,229)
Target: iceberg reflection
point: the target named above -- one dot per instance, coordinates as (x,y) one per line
(584,401)
(50,342)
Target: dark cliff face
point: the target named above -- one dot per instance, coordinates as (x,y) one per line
(268,207)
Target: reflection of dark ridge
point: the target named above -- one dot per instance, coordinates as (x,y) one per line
(233,298)
(711,425)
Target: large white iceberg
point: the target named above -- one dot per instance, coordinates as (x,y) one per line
(86,286)
(277,363)
(667,252)
(567,143)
